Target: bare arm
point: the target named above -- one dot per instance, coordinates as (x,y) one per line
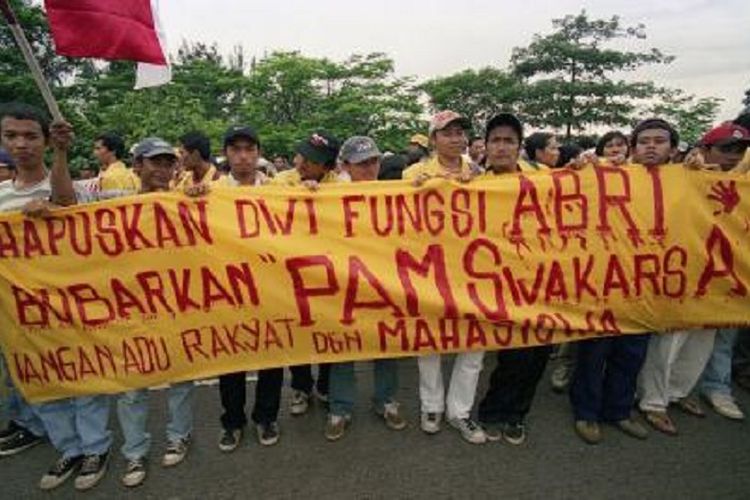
(61,138)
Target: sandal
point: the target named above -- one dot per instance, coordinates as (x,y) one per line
(661,422)
(691,406)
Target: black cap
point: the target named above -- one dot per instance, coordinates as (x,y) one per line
(240,132)
(321,148)
(507,119)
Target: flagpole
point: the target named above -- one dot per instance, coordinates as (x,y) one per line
(28,55)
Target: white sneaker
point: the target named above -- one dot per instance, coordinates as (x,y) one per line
(175,452)
(724,405)
(430,422)
(471,431)
(300,403)
(135,473)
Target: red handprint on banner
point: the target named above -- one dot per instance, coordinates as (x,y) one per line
(726,194)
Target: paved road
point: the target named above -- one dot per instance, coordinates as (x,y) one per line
(710,459)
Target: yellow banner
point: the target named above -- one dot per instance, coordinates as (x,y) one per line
(158,288)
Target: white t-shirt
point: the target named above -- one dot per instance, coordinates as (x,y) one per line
(13,198)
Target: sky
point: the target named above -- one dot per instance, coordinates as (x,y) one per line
(429,38)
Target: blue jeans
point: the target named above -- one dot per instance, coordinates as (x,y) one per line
(717,376)
(132,412)
(342,390)
(77,426)
(19,411)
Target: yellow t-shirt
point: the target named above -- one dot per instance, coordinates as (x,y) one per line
(187,178)
(432,168)
(118,177)
(292,178)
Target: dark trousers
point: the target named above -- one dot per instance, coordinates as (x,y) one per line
(513,384)
(267,393)
(604,385)
(302,379)
(741,355)
(267,398)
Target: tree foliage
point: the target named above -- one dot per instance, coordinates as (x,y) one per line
(690,115)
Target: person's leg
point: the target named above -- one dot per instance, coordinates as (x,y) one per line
(717,376)
(324,375)
(741,358)
(232,389)
(180,399)
(463,385)
(653,381)
(302,379)
(132,412)
(342,388)
(431,388)
(587,388)
(622,368)
(59,419)
(385,383)
(92,424)
(564,366)
(268,396)
(690,362)
(19,412)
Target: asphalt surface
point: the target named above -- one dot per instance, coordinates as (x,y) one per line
(710,459)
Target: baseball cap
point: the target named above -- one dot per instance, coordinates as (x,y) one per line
(507,119)
(153,146)
(725,133)
(6,159)
(421,140)
(240,131)
(320,147)
(444,118)
(358,149)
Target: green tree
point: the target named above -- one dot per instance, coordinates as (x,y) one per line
(691,116)
(476,94)
(569,74)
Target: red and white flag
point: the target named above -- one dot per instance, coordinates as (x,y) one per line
(114,30)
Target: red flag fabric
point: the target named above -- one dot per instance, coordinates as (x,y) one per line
(106,29)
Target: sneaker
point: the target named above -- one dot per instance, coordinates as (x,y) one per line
(588,431)
(470,430)
(268,434)
(514,434)
(300,403)
(135,473)
(10,432)
(176,452)
(493,431)
(322,397)
(632,428)
(17,442)
(92,471)
(430,422)
(561,375)
(60,472)
(391,413)
(230,440)
(336,427)
(724,405)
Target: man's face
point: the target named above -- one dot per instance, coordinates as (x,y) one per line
(615,149)
(25,142)
(367,170)
(477,150)
(157,173)
(242,156)
(503,146)
(280,163)
(5,172)
(308,170)
(652,147)
(727,155)
(451,141)
(190,160)
(550,154)
(102,153)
